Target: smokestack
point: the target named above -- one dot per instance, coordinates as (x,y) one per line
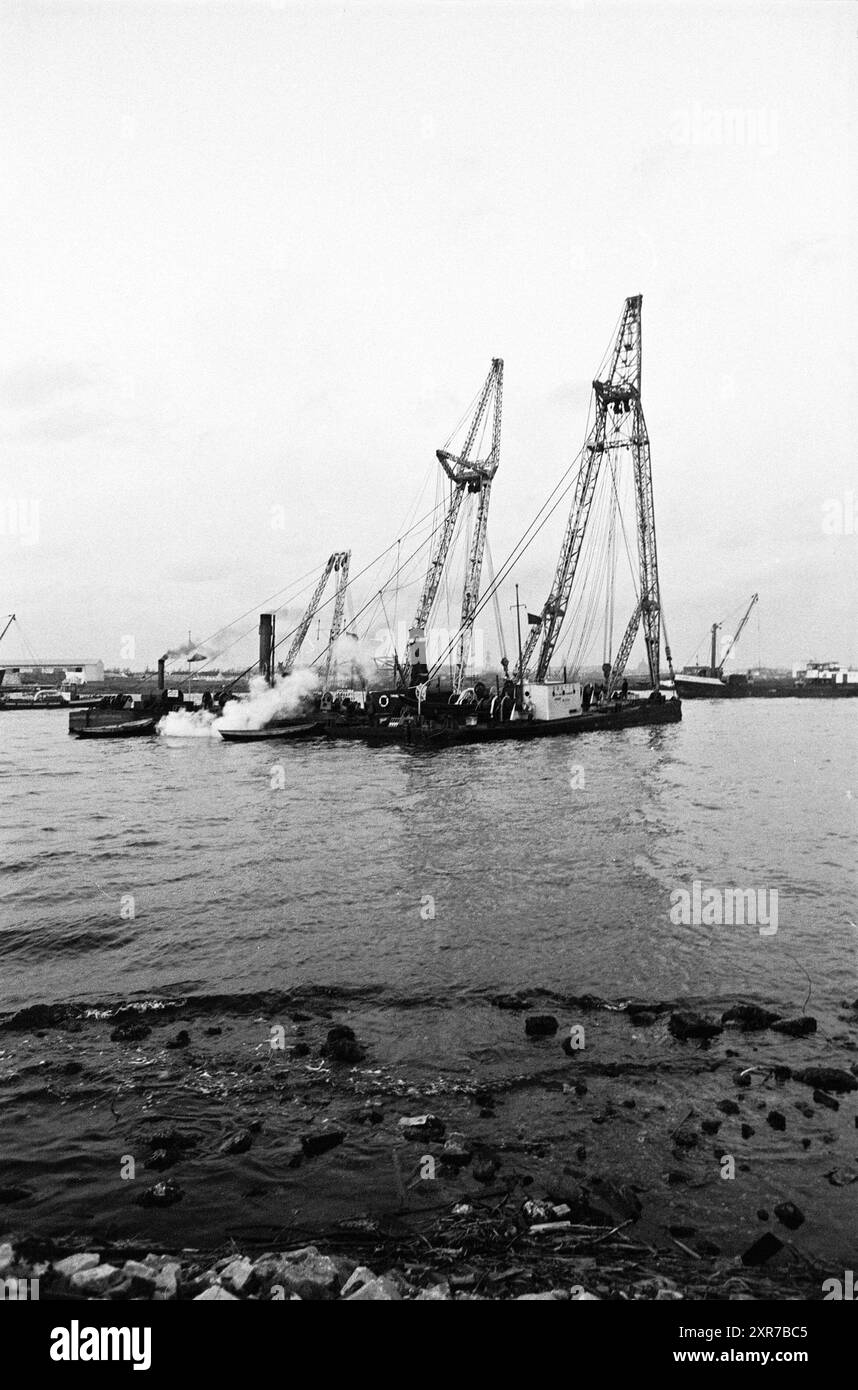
(266,646)
(161,681)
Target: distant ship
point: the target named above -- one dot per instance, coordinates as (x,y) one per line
(814,680)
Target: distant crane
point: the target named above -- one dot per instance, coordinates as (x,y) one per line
(337,563)
(467,475)
(716,666)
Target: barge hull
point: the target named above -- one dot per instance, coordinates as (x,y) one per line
(642,713)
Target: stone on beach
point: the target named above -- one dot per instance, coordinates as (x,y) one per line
(457,1153)
(215,1293)
(320,1143)
(514,1002)
(419,1127)
(74,1264)
(541,1025)
(309,1274)
(163,1194)
(341,1045)
(96,1280)
(789,1215)
(7,1256)
(687,1024)
(377,1290)
(751,1017)
(141,1278)
(237,1143)
(238,1274)
(795,1027)
(358,1277)
(167,1275)
(827,1078)
(762,1249)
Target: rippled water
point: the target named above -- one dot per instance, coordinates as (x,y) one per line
(548,866)
(238,885)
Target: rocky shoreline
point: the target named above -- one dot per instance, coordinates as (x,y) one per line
(472,1255)
(584,1172)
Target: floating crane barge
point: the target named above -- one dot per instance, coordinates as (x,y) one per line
(531,704)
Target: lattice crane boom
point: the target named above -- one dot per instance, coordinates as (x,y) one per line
(341,565)
(473,576)
(613,390)
(618,423)
(738,633)
(335,561)
(466,475)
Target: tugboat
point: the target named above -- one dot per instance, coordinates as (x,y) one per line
(306,723)
(123,715)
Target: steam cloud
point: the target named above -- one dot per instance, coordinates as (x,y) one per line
(199,649)
(288,696)
(352,657)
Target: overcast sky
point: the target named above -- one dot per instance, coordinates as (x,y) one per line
(260,256)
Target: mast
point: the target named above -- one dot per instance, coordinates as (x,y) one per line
(713,657)
(520,667)
(473,476)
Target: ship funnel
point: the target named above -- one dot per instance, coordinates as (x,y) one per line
(266,646)
(161,680)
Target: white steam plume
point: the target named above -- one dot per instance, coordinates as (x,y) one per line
(288,696)
(353,658)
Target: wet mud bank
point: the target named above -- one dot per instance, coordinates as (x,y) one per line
(573,1145)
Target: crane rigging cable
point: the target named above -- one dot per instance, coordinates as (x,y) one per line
(360,611)
(352,580)
(522,545)
(618,421)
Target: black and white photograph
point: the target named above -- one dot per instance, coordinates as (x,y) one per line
(428,672)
